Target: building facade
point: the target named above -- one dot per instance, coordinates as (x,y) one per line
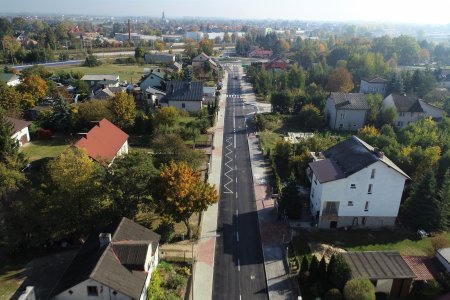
(354,184)
(346,111)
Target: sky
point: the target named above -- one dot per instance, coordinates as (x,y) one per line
(392,11)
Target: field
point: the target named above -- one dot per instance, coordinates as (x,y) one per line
(130,73)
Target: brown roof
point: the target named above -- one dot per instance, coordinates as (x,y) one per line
(424,267)
(103,141)
(326,170)
(376,265)
(17,124)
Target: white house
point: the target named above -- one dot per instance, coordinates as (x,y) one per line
(154,78)
(209,94)
(346,111)
(410,109)
(114,263)
(101,79)
(184,95)
(354,184)
(374,85)
(20,130)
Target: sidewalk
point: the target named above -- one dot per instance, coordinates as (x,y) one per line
(204,266)
(273,232)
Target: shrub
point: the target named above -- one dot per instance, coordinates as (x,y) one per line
(317,289)
(166,230)
(314,269)
(323,269)
(44,134)
(339,271)
(154,291)
(333,294)
(438,242)
(359,289)
(305,265)
(426,290)
(175,282)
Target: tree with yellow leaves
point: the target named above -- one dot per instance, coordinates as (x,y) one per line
(34,84)
(180,193)
(340,80)
(123,108)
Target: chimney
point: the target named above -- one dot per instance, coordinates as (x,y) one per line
(378,152)
(104,239)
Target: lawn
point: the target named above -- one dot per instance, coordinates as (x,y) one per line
(11,277)
(130,73)
(268,140)
(405,242)
(39,149)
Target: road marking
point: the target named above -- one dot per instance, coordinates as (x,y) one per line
(229,156)
(237,237)
(236,179)
(236,195)
(239,265)
(237,212)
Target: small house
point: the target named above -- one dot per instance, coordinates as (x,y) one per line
(184,95)
(108,80)
(159,58)
(387,270)
(374,85)
(20,130)
(10,79)
(346,111)
(443,256)
(115,262)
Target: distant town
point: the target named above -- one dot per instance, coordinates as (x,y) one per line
(210,158)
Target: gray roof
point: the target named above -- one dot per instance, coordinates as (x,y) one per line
(17,124)
(351,101)
(347,158)
(407,103)
(376,265)
(7,77)
(118,265)
(100,77)
(375,79)
(444,253)
(183,91)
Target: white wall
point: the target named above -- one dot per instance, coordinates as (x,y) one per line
(350,119)
(18,135)
(190,106)
(373,88)
(384,285)
(387,189)
(330,112)
(79,292)
(151,81)
(403,118)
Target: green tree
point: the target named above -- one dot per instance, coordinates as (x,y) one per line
(90,111)
(359,289)
(139,52)
(421,208)
(323,269)
(310,118)
(314,269)
(181,193)
(227,38)
(166,116)
(92,61)
(304,266)
(407,49)
(339,271)
(282,102)
(61,115)
(388,115)
(333,294)
(123,109)
(374,102)
(444,203)
(296,78)
(10,100)
(290,202)
(35,85)
(129,183)
(206,46)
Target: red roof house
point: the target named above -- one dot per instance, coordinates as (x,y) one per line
(104,142)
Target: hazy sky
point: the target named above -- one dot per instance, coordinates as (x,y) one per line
(396,11)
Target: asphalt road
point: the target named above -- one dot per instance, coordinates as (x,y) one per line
(238,264)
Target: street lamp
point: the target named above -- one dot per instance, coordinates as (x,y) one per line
(193,257)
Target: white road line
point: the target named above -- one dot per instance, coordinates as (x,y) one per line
(236,179)
(239,265)
(236,195)
(237,237)
(237,212)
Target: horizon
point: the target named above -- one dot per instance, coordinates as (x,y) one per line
(399,12)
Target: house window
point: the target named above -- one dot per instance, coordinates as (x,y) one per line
(183,105)
(315,181)
(401,114)
(399,124)
(350,203)
(369,190)
(92,291)
(372,175)
(114,293)
(412,114)
(342,115)
(353,186)
(366,206)
(70,292)
(364,220)
(312,193)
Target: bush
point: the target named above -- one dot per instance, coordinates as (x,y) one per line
(317,289)
(167,231)
(44,134)
(314,269)
(175,282)
(426,290)
(333,294)
(438,242)
(154,291)
(339,271)
(92,61)
(359,289)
